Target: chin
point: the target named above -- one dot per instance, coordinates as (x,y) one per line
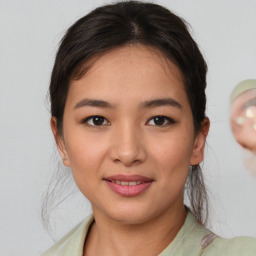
(130,214)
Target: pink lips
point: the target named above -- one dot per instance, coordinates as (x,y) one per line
(128,185)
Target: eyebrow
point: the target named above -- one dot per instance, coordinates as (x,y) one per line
(161,102)
(146,104)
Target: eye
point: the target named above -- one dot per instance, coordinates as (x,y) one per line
(161,121)
(96,121)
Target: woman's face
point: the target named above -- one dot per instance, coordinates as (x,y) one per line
(128,135)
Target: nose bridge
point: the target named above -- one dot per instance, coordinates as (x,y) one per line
(128,146)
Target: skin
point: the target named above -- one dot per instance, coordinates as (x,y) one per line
(130,142)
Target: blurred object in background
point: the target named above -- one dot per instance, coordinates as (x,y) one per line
(243,119)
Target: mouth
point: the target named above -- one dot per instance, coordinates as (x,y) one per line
(128,185)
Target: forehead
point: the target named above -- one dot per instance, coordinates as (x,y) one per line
(134,56)
(130,70)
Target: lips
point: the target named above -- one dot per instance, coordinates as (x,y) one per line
(121,177)
(128,185)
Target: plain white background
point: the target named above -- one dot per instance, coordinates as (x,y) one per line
(29,34)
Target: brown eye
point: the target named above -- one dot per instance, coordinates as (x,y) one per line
(160,121)
(96,121)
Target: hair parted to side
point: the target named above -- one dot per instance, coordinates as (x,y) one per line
(130,23)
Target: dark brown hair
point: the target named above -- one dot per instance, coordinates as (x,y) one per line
(133,22)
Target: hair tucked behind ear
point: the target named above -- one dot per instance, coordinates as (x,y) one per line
(132,22)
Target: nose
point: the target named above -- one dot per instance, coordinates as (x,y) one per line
(127,146)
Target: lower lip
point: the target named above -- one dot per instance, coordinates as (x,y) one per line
(129,191)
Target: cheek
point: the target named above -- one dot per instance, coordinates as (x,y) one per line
(173,151)
(171,164)
(85,154)
(172,159)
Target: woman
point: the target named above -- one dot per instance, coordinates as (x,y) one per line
(128,116)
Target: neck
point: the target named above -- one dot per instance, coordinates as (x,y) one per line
(110,237)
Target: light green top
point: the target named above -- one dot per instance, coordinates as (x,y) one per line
(193,239)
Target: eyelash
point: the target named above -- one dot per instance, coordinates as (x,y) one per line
(169,120)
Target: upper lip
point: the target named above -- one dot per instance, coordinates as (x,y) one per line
(122,177)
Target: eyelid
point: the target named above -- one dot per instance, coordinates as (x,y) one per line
(169,119)
(85,121)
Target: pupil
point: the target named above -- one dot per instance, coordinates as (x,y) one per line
(98,120)
(159,120)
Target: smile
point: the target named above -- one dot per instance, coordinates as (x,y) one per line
(128,185)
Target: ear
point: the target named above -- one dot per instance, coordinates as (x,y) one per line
(59,142)
(199,143)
